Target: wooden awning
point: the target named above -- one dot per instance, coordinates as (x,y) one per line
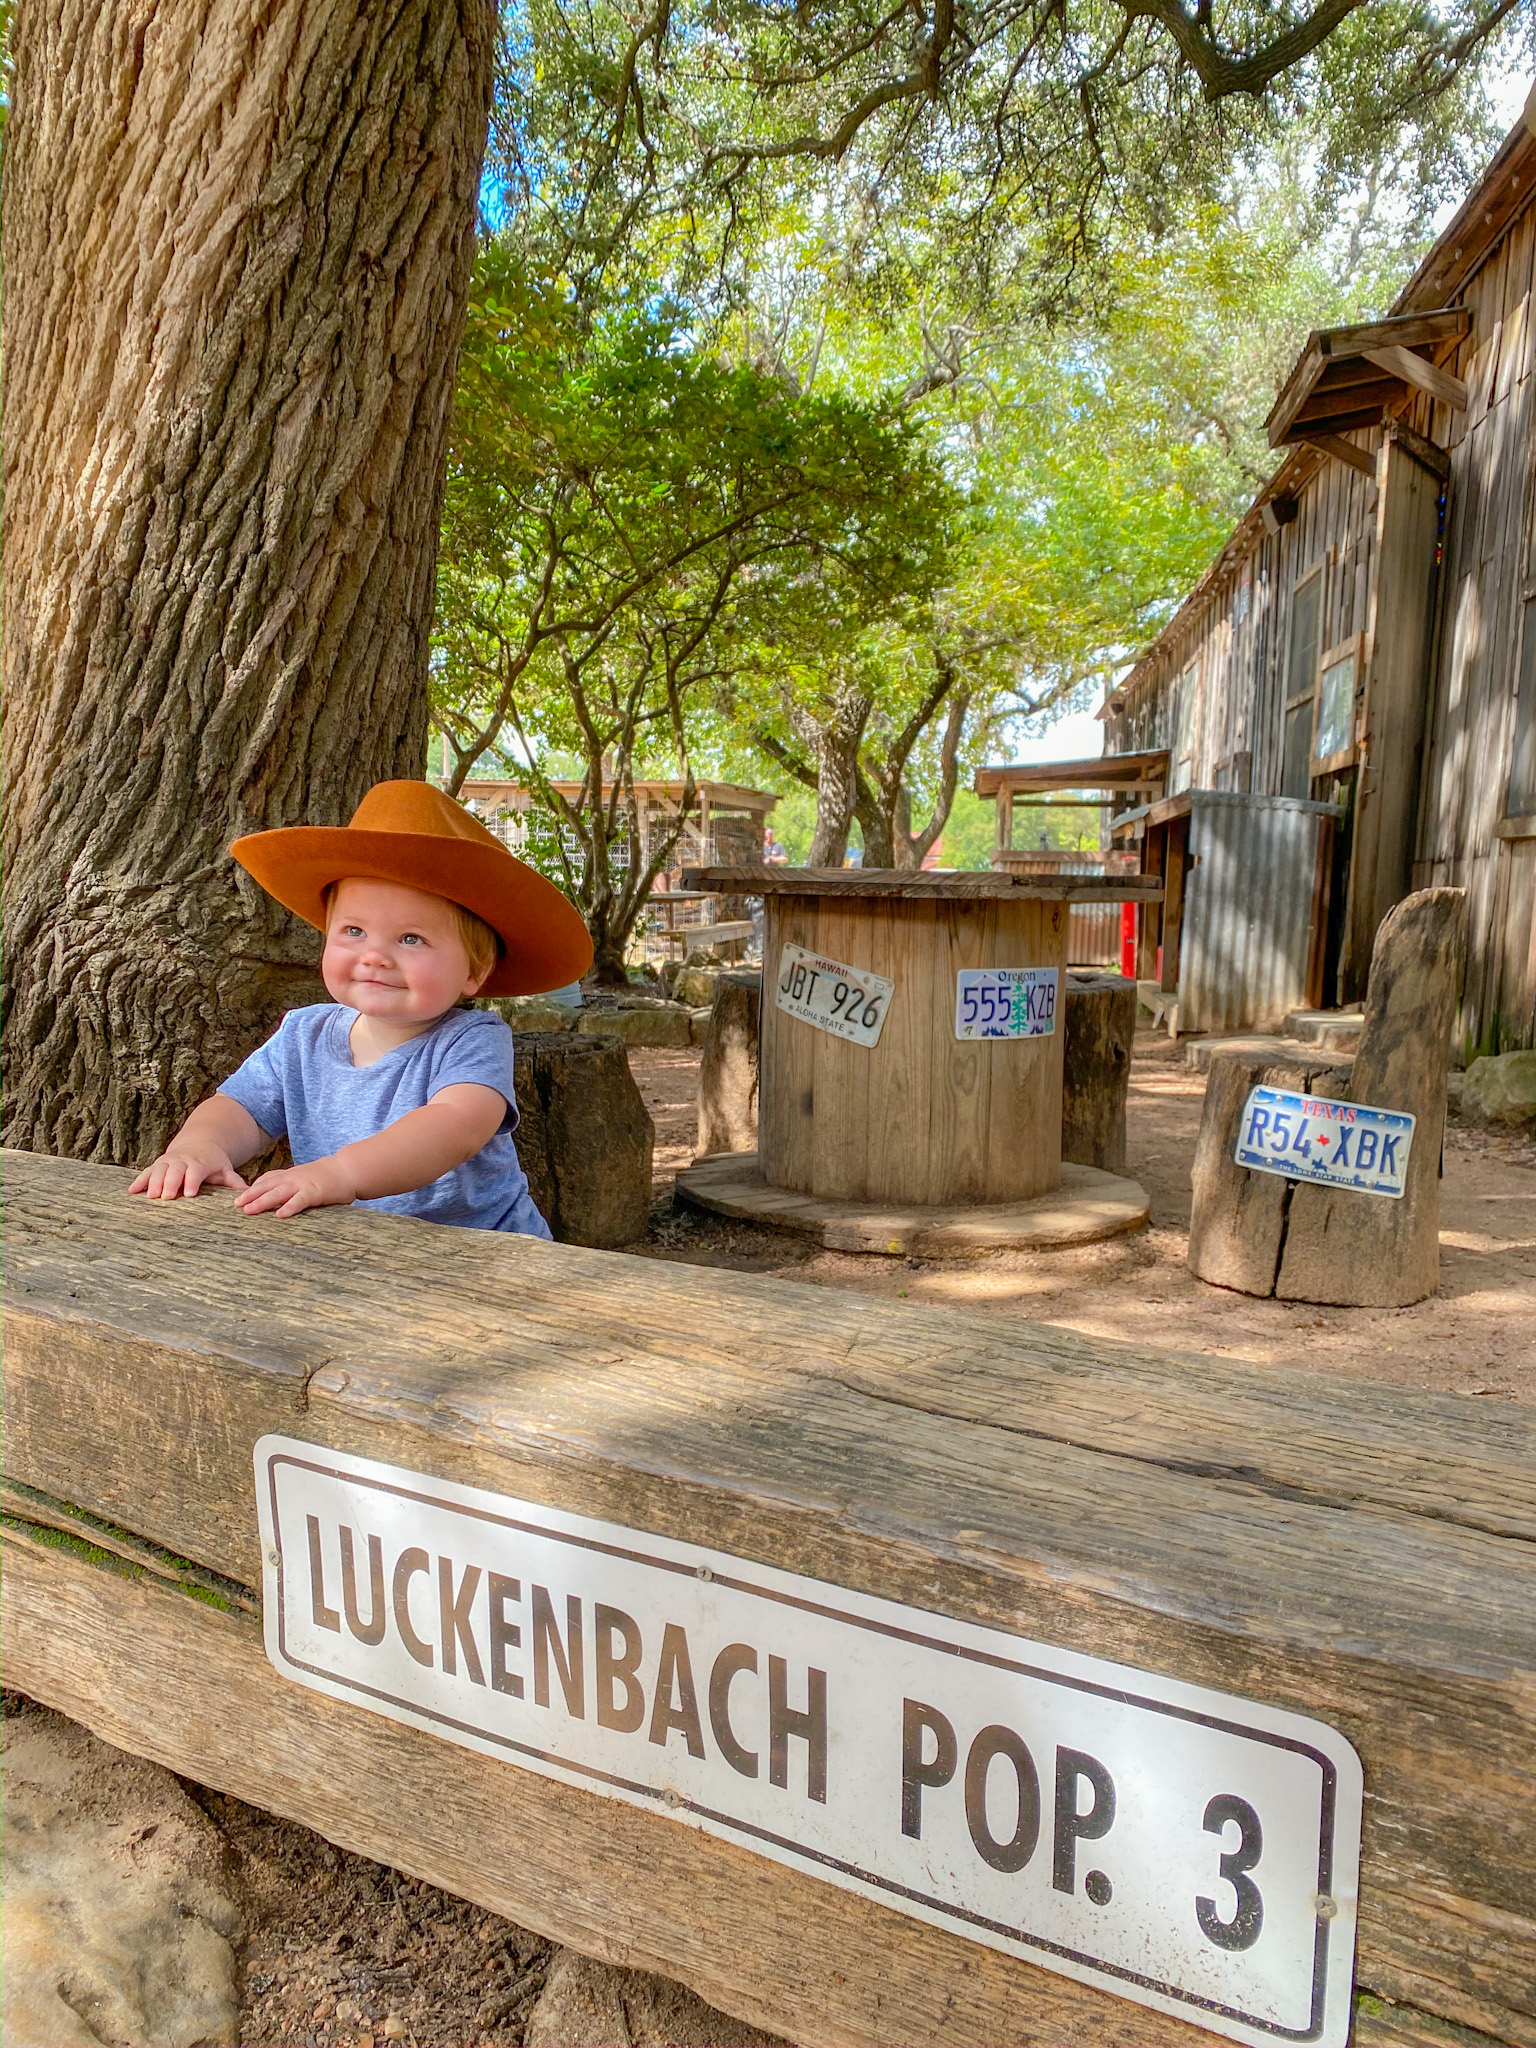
(1110,772)
(1350,377)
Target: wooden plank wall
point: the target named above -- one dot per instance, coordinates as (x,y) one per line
(1486,572)
(1238,635)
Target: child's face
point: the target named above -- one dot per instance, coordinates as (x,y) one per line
(395,953)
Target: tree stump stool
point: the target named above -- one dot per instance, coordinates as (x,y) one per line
(1099,1024)
(1300,1240)
(728,1072)
(586,1137)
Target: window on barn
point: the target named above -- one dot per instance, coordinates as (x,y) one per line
(1184,749)
(1521,801)
(1301,685)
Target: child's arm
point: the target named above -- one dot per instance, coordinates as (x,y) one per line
(217,1137)
(405,1155)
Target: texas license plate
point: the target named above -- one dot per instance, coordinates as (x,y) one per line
(1005,1002)
(847,1001)
(1342,1144)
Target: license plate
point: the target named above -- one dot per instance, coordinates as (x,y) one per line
(1341,1144)
(1184,1848)
(847,1001)
(1006,1002)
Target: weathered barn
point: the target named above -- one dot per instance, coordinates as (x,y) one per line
(1367,637)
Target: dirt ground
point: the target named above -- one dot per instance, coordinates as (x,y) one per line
(1476,1336)
(340,1950)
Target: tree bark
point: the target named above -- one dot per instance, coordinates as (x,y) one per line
(236,245)
(834,741)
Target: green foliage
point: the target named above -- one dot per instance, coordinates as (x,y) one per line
(1050,265)
(630,522)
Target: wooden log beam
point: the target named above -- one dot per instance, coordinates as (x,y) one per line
(1341,451)
(1099,1021)
(1412,369)
(1353,1553)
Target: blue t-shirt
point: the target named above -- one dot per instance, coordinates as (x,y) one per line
(301,1085)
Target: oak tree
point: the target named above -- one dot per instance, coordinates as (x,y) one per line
(236,244)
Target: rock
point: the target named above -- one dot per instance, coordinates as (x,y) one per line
(639,1023)
(728,1071)
(698,1024)
(535,1013)
(117,1922)
(1502,1088)
(586,1137)
(695,986)
(586,2004)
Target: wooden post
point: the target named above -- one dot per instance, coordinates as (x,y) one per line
(1100,1025)
(1238,1218)
(1351,1552)
(1397,644)
(1176,861)
(585,1137)
(1344,1247)
(728,1071)
(1264,1234)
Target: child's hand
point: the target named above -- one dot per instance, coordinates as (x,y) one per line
(186,1165)
(289,1190)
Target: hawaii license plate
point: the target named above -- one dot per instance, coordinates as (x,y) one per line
(847,1001)
(1342,1144)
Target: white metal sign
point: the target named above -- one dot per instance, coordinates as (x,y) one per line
(1343,1144)
(1179,1847)
(846,1001)
(1005,1002)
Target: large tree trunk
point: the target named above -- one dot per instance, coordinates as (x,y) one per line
(834,742)
(236,244)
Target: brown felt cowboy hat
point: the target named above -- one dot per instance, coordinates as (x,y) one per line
(410,832)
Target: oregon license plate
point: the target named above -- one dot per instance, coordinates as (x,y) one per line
(1005,1002)
(847,1001)
(1342,1144)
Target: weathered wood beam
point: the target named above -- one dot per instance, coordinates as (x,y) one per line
(1412,369)
(1355,1553)
(148,1670)
(1339,344)
(1341,451)
(959,884)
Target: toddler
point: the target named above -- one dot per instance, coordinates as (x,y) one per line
(391,1095)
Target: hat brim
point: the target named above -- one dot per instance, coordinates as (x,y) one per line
(547,944)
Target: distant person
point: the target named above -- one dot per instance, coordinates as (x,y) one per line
(396,1095)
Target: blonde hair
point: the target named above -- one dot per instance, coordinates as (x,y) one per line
(480,943)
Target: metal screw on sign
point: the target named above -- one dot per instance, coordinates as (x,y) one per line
(1326,1908)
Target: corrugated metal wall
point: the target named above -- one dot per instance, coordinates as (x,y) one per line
(1248,901)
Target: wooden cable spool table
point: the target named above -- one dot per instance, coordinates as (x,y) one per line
(923,1138)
